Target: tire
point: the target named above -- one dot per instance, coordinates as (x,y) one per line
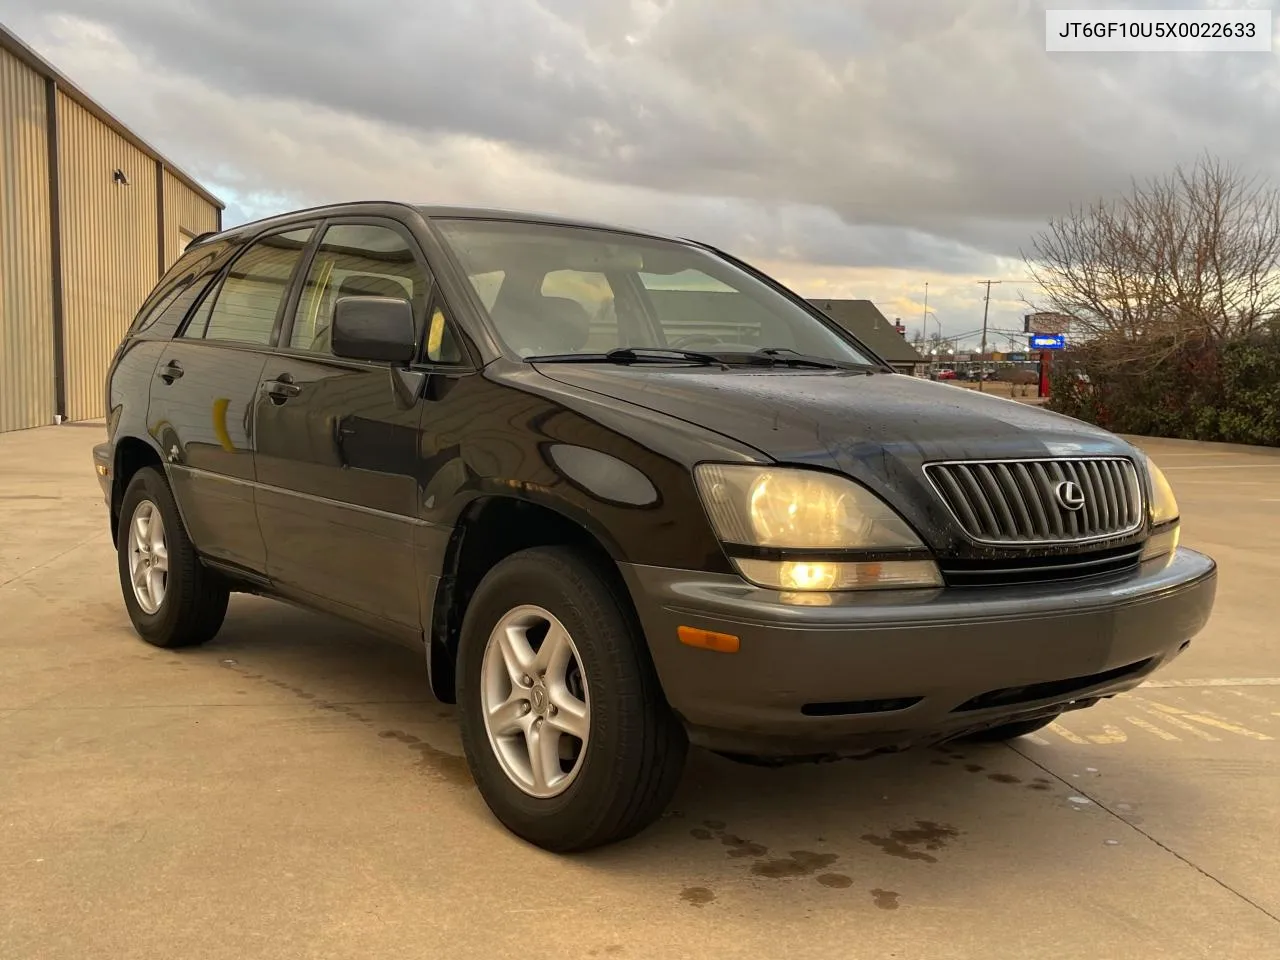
(625,771)
(192,600)
(1011,731)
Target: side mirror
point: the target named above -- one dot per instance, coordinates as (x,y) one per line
(374,328)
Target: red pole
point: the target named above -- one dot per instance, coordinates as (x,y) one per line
(1046,362)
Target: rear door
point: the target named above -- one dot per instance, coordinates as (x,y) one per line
(337,455)
(202,398)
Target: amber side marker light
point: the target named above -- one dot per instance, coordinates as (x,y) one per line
(708,639)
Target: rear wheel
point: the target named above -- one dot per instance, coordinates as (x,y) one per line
(566,731)
(172,599)
(1011,731)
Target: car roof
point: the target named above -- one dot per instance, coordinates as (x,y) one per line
(431,212)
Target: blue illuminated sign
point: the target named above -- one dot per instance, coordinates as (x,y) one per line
(1048,341)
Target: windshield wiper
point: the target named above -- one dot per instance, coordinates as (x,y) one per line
(626,355)
(773,356)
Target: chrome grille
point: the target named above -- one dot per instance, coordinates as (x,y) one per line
(1017,501)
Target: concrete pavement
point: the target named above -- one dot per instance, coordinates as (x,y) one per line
(291,790)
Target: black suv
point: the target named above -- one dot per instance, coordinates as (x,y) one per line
(625,493)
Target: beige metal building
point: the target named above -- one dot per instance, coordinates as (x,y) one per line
(90,216)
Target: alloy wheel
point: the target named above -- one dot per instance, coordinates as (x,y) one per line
(535,702)
(148,556)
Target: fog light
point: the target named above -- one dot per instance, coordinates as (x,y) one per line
(808,576)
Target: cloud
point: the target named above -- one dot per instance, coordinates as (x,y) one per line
(836,138)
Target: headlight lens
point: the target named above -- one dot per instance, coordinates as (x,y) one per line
(797,509)
(789,509)
(1164,505)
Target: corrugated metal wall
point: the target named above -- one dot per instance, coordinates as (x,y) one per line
(26,285)
(109,248)
(184,209)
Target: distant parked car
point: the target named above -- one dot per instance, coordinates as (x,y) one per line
(607,535)
(946,375)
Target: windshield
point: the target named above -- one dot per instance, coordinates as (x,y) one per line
(554,291)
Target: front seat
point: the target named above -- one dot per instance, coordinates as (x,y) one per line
(537,325)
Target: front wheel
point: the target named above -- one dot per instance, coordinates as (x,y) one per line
(566,731)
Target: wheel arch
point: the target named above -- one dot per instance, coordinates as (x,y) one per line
(131,454)
(488,530)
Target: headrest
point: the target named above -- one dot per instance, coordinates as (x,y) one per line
(370,285)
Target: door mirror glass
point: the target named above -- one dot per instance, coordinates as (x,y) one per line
(374,328)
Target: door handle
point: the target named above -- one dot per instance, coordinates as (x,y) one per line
(281,389)
(170,372)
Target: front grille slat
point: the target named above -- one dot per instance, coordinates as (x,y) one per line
(1098,493)
(1015,497)
(1017,501)
(1058,525)
(956,496)
(999,503)
(989,529)
(1031,494)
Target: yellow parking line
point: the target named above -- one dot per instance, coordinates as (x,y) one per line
(1109,734)
(1152,728)
(1229,727)
(1165,714)
(1065,734)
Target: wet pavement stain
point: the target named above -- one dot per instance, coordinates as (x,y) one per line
(974,767)
(904,843)
(739,848)
(837,881)
(442,765)
(939,762)
(885,899)
(1039,786)
(801,863)
(1004,778)
(700,833)
(713,824)
(697,896)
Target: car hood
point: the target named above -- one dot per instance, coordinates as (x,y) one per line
(879,429)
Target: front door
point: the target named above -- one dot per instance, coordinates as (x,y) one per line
(202,399)
(337,456)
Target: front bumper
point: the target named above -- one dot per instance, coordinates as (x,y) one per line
(891,669)
(102,460)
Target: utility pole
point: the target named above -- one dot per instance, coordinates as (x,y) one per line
(924,317)
(986,308)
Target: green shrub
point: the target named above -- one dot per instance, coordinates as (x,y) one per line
(1200,390)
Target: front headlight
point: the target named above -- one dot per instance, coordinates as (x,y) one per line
(1164,505)
(786,509)
(1165,528)
(798,509)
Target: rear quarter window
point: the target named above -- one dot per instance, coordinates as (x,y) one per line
(164,310)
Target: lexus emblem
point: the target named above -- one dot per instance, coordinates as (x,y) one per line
(1069,495)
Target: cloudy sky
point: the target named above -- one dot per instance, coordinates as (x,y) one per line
(853,147)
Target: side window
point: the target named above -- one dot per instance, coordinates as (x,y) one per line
(244,308)
(356,260)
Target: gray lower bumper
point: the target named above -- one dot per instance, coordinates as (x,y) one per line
(811,680)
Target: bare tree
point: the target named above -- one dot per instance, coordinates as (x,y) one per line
(1194,254)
